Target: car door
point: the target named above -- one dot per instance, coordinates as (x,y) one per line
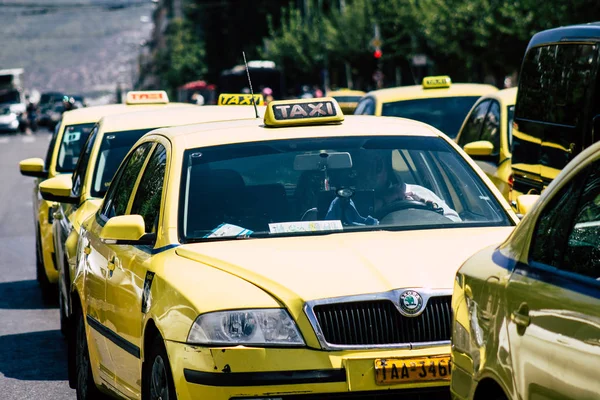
(101,259)
(125,287)
(553,299)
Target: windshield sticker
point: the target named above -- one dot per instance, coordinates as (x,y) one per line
(73,137)
(305,226)
(228,230)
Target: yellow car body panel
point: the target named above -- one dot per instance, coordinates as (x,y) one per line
(522,328)
(499,172)
(43,209)
(136,291)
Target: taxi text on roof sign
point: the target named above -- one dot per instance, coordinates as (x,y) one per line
(432,82)
(147,97)
(303,112)
(239,99)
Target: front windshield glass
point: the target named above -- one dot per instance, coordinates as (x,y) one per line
(10,97)
(307,186)
(347,99)
(71,143)
(445,113)
(113,149)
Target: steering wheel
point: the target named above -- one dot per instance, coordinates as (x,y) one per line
(400,205)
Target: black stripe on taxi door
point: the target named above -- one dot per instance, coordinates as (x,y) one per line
(113,337)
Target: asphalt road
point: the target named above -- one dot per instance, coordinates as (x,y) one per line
(32,351)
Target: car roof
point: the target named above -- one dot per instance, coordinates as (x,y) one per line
(585,32)
(345,92)
(418,92)
(505,96)
(245,131)
(176,116)
(88,115)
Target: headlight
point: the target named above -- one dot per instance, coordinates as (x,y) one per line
(246,327)
(14,123)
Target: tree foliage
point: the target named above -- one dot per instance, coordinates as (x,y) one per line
(183,58)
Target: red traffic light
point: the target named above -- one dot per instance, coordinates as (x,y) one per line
(377,53)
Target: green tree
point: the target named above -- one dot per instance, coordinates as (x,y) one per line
(183,58)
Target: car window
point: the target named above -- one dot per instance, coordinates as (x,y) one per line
(365,107)
(114,147)
(491,127)
(51,147)
(472,129)
(272,187)
(117,198)
(82,162)
(148,195)
(582,254)
(73,139)
(554,225)
(445,113)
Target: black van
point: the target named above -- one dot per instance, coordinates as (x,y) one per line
(557,113)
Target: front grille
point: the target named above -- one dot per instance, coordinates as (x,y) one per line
(378,322)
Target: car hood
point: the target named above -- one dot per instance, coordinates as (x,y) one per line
(344,264)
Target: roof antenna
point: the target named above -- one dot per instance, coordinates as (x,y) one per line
(250,82)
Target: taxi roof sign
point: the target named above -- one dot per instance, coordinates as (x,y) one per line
(303,112)
(240,99)
(436,82)
(147,97)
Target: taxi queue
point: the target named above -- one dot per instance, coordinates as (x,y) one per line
(285,251)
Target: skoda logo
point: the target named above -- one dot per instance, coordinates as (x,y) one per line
(411,302)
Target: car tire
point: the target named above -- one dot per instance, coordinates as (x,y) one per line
(85,386)
(157,376)
(40,273)
(64,321)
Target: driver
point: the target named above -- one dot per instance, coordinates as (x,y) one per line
(374,171)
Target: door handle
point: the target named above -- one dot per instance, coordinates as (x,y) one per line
(521,317)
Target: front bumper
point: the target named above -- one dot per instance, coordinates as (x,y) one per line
(242,372)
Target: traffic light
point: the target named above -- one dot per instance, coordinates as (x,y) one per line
(377,53)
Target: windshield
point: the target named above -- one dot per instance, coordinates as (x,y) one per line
(70,146)
(306,186)
(113,149)
(445,113)
(347,99)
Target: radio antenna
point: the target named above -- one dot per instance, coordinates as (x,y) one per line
(250,83)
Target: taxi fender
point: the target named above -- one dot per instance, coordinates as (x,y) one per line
(182,289)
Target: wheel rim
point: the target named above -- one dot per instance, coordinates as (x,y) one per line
(158,380)
(83,363)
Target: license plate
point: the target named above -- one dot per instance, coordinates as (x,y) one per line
(409,370)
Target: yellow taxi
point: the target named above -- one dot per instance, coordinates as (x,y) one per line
(527,313)
(302,255)
(79,195)
(62,155)
(486,135)
(437,102)
(347,99)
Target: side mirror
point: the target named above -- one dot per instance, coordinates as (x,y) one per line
(525,203)
(479,148)
(58,189)
(33,167)
(125,229)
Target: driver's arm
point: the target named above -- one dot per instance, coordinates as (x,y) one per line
(425,194)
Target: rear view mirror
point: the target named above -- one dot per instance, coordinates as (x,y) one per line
(321,161)
(123,229)
(58,189)
(479,148)
(33,167)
